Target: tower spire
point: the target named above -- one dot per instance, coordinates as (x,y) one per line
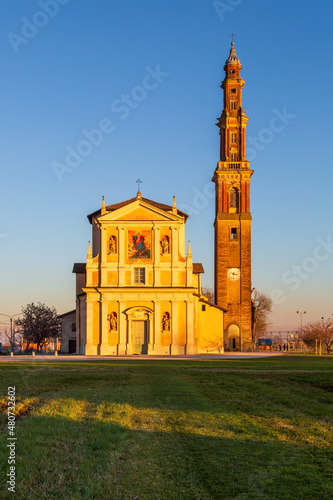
(189,253)
(103,210)
(89,256)
(233,59)
(174,206)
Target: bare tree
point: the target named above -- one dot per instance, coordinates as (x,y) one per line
(12,337)
(38,323)
(262,307)
(208,292)
(215,344)
(318,330)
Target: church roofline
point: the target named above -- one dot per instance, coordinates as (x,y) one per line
(201,299)
(116,206)
(79,267)
(67,313)
(198,268)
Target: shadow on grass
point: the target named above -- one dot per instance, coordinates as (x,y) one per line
(170,431)
(58,458)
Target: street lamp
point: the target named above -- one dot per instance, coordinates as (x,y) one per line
(301,314)
(11,326)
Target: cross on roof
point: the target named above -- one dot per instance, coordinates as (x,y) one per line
(139,182)
(232,37)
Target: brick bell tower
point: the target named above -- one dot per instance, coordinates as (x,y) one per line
(232,224)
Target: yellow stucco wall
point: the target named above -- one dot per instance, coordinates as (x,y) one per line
(182,278)
(95,278)
(166,278)
(210,328)
(113,278)
(139,214)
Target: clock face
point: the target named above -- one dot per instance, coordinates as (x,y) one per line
(234,274)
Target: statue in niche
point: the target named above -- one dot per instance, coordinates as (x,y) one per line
(112,319)
(165,245)
(112,245)
(166,322)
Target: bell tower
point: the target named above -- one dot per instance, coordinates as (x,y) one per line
(232,224)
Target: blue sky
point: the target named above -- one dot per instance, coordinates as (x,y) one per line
(68,74)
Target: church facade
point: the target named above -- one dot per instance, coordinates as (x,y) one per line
(139,291)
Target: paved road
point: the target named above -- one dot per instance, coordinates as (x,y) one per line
(197,357)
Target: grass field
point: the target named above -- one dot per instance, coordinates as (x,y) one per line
(242,429)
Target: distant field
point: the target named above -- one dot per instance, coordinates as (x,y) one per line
(229,429)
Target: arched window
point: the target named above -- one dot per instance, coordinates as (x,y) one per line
(234,198)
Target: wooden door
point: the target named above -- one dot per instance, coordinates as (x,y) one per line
(139,336)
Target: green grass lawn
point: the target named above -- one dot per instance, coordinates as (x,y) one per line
(242,429)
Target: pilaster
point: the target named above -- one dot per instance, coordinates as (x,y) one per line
(103,261)
(157,327)
(122,330)
(174,255)
(190,341)
(121,255)
(91,349)
(157,256)
(105,348)
(174,328)
(150,334)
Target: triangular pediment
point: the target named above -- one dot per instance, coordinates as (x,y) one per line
(139,210)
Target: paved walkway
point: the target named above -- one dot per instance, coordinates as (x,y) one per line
(69,357)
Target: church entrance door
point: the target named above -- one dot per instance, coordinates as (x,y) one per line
(139,336)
